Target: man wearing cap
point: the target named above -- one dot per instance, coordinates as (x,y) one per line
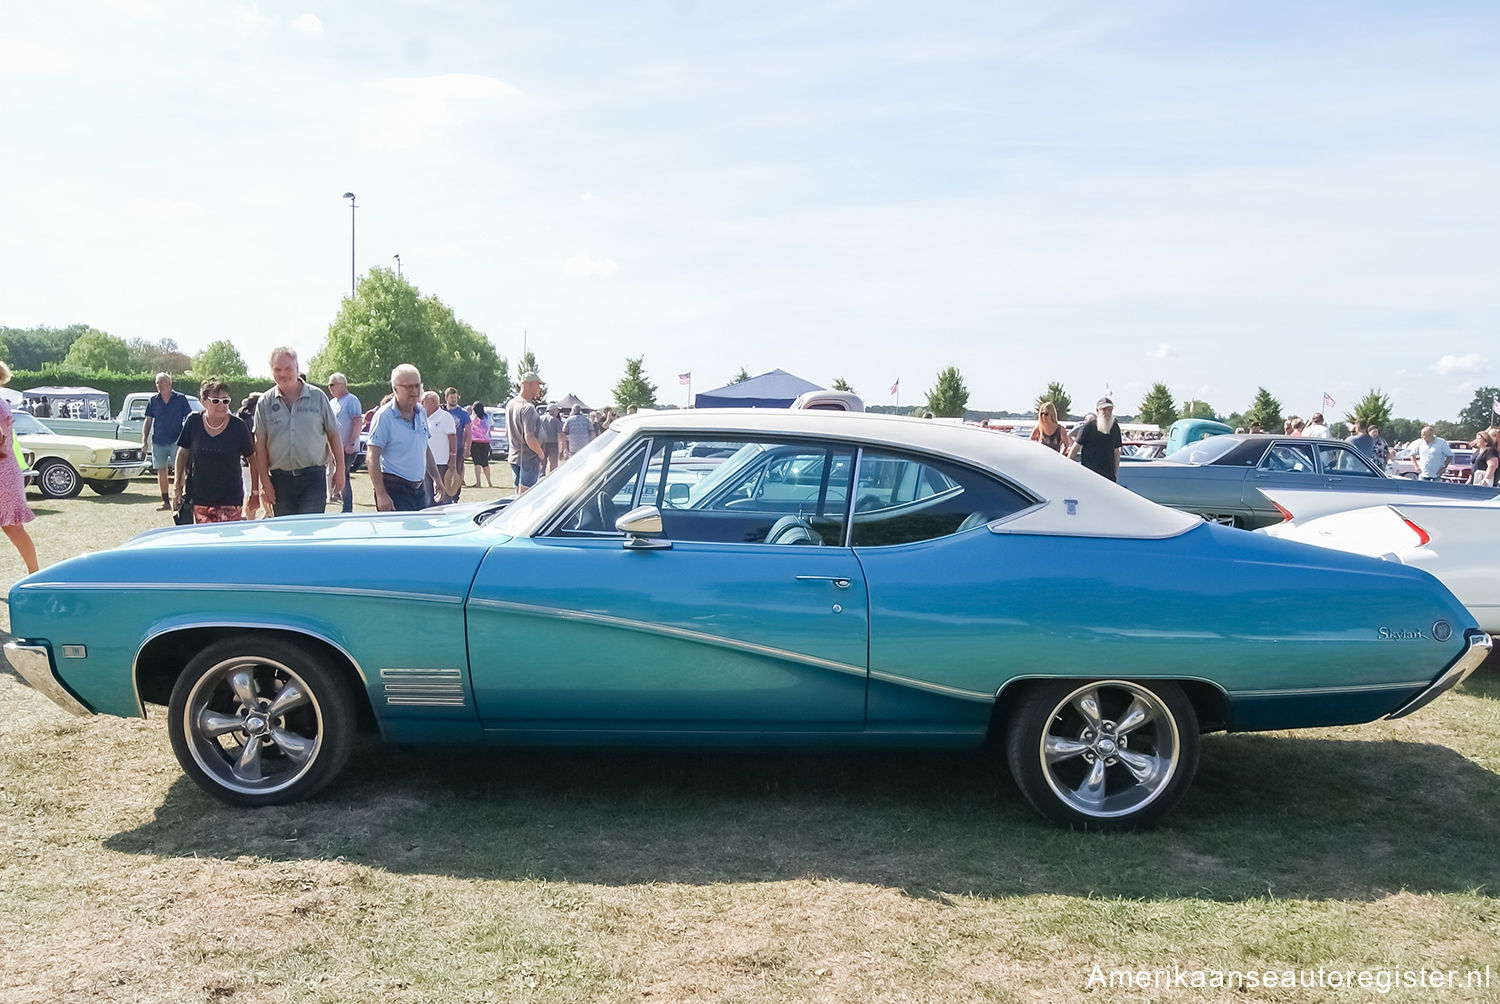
(1098,444)
(524,433)
(550,426)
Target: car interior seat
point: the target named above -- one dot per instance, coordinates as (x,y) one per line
(792,530)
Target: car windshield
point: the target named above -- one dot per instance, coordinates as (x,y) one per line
(524,512)
(27,425)
(1204,451)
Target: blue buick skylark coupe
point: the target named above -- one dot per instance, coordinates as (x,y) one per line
(749,579)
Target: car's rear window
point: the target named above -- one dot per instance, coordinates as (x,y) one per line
(1204,451)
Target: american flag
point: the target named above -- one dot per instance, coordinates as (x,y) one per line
(684,378)
(896,387)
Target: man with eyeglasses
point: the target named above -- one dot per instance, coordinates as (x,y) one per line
(399,454)
(351,419)
(295,430)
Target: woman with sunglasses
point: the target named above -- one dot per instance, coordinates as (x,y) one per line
(209,451)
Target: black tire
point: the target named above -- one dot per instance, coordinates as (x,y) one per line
(297,751)
(1103,754)
(109,487)
(57,479)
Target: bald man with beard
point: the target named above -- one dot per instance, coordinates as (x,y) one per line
(1098,443)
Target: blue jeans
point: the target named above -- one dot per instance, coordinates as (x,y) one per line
(406,496)
(348,468)
(300,492)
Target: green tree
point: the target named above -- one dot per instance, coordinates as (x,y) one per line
(634,390)
(843,385)
(388,322)
(1372,409)
(99,352)
(162,356)
(1401,430)
(220,359)
(1059,398)
(1158,406)
(1480,413)
(949,397)
(33,348)
(741,376)
(1201,409)
(1265,409)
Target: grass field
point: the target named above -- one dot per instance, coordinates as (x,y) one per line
(422,877)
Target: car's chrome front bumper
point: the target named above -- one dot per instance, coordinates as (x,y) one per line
(1479,647)
(34,663)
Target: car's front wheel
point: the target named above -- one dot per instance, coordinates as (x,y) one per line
(57,479)
(1104,754)
(259,720)
(109,487)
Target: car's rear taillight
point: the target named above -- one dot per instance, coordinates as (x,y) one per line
(1422,535)
(1286,515)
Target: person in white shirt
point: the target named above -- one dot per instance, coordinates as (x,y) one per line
(1315,429)
(1432,454)
(442,438)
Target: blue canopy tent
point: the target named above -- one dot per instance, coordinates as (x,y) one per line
(776,389)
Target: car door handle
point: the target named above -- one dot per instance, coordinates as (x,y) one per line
(838,580)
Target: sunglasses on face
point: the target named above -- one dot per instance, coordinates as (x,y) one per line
(217,400)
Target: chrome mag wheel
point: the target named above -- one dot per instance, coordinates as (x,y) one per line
(260,724)
(1106,754)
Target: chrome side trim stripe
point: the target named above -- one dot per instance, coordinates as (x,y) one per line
(262,587)
(424,688)
(702,638)
(936,688)
(1479,647)
(34,663)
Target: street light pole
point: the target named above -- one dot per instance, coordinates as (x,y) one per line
(352,207)
(398,265)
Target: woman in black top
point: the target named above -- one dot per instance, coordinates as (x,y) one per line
(209,451)
(1487,460)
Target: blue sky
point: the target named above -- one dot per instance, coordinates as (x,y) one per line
(1218,196)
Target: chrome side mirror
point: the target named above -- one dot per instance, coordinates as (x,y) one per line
(639,526)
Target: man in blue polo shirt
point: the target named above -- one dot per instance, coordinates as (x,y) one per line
(165,415)
(461,419)
(397,453)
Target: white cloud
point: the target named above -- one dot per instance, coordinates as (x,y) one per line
(1471,363)
(583,265)
(308,22)
(438,252)
(411,112)
(139,9)
(18,55)
(1162,351)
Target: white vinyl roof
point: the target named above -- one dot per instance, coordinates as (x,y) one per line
(1077,502)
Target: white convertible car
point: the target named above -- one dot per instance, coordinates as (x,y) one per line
(1457,541)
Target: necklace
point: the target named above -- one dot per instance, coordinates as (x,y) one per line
(214,430)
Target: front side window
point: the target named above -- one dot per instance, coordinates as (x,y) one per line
(1289,458)
(1344,461)
(902,499)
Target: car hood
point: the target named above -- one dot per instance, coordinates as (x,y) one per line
(42,440)
(372,528)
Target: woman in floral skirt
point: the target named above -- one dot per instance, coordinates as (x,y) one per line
(14,512)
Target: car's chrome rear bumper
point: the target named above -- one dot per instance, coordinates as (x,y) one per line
(1479,647)
(34,663)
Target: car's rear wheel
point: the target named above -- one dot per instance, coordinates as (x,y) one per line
(259,720)
(109,487)
(1103,754)
(57,479)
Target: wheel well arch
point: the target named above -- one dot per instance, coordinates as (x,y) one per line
(1209,701)
(163,658)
